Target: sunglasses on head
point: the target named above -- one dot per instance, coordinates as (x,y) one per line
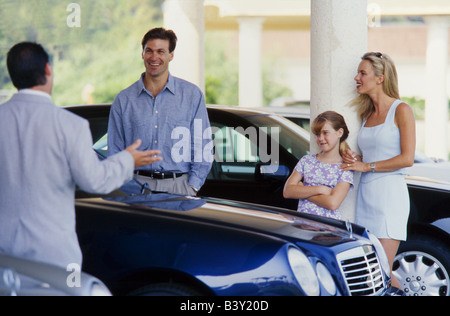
(379,55)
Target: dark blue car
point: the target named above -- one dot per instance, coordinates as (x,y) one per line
(162,244)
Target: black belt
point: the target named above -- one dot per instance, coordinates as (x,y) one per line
(159,175)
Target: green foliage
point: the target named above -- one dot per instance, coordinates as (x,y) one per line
(103,53)
(103,56)
(273,86)
(418,106)
(222,72)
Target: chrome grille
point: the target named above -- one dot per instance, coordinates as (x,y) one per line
(362,271)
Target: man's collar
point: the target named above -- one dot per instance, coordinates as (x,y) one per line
(35,92)
(170,85)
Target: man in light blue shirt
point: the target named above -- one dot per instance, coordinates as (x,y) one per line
(45,152)
(168,114)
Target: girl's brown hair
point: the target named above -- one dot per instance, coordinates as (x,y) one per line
(337,121)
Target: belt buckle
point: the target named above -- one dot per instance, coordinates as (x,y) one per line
(160,175)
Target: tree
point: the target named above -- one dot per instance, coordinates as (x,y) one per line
(104,52)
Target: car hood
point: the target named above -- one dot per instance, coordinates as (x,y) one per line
(275,222)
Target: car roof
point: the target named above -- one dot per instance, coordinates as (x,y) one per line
(290,111)
(250,113)
(91,111)
(241,111)
(297,111)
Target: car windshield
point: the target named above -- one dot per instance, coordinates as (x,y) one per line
(101,146)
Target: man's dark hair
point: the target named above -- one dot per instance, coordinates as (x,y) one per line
(163,34)
(26,63)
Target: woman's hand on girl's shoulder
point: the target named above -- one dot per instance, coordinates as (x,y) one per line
(350,157)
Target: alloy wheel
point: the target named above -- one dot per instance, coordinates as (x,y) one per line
(420,274)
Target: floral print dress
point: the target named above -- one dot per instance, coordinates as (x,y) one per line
(317,173)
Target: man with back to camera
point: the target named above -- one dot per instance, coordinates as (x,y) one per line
(154,109)
(44,152)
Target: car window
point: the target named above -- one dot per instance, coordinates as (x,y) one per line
(292,138)
(302,122)
(236,153)
(239,151)
(233,146)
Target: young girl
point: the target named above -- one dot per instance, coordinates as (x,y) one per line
(317,180)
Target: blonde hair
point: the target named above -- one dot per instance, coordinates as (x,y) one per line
(337,121)
(382,66)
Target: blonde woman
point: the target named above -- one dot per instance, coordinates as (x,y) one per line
(387,142)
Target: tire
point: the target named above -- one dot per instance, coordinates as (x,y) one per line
(422,266)
(165,289)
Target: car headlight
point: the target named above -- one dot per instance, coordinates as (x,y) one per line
(381,253)
(326,278)
(303,272)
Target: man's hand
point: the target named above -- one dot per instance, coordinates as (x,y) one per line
(143,158)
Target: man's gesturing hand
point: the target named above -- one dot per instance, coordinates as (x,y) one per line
(143,158)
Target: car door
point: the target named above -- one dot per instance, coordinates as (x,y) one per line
(240,156)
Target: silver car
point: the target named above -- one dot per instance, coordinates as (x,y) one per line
(20,277)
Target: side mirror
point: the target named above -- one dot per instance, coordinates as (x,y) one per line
(272,172)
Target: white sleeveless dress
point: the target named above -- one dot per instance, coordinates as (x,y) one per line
(383,200)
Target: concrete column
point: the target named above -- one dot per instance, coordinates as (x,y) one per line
(436,104)
(250,62)
(187,19)
(338,40)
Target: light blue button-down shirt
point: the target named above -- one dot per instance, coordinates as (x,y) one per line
(44,152)
(175,122)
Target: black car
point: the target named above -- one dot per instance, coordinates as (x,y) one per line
(242,172)
(423,261)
